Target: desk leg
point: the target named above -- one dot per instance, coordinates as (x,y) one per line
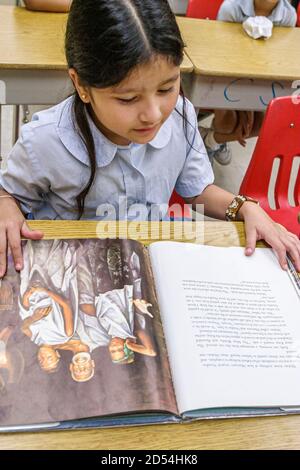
(16,123)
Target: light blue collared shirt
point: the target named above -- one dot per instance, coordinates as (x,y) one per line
(49,166)
(237,11)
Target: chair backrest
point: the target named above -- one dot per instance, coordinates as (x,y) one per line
(203,9)
(279,138)
(178,209)
(298,15)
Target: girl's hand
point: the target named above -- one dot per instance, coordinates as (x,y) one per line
(13,226)
(259,226)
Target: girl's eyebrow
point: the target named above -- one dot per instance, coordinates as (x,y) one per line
(172,79)
(134,90)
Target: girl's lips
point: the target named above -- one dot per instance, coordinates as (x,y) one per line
(146,130)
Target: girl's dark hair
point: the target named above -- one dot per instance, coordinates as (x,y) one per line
(105,40)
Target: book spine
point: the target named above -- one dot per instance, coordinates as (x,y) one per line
(294,275)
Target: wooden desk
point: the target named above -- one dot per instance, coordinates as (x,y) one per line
(232,70)
(242,433)
(32,60)
(32,63)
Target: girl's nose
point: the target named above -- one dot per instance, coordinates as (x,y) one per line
(151,114)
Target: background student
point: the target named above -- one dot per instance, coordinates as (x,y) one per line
(230,125)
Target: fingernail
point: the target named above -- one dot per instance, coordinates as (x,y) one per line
(18,266)
(249,251)
(285,267)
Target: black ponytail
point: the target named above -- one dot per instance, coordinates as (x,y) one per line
(82,124)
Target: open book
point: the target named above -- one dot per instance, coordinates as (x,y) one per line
(106,332)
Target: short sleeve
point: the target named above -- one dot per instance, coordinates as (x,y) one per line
(197,172)
(289,18)
(22,177)
(228,12)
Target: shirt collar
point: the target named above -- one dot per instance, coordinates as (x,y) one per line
(163,136)
(105,149)
(71,139)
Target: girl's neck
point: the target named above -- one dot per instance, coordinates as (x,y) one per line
(264,7)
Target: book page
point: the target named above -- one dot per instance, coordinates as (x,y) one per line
(232,326)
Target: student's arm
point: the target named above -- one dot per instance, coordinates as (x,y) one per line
(58,6)
(258,225)
(197,177)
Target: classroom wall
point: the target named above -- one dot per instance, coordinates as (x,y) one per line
(8,2)
(179,6)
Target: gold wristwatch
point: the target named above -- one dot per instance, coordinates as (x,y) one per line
(235,205)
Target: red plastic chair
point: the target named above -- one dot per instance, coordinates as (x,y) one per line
(298,15)
(178,209)
(279,138)
(203,9)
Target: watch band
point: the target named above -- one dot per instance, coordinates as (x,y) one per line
(235,205)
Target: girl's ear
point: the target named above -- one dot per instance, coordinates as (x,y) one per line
(81,90)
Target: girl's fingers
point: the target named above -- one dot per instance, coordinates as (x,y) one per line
(14,241)
(251,237)
(292,245)
(293,248)
(26,232)
(3,252)
(280,251)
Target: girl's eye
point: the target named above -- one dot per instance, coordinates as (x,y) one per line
(126,100)
(168,90)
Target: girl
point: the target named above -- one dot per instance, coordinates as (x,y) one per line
(125,139)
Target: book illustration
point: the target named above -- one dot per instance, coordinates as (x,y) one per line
(81,314)
(11,361)
(11,358)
